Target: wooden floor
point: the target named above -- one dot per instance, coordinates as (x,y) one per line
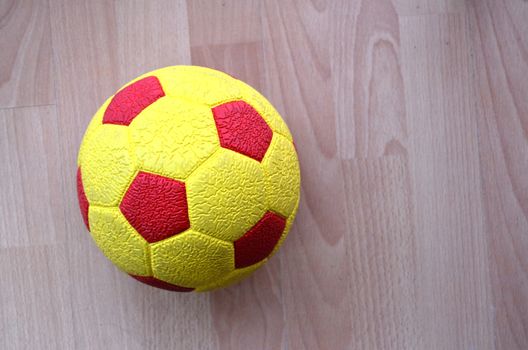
(411,122)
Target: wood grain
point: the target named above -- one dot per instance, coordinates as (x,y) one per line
(26,70)
(224,22)
(410,119)
(428,7)
(31,209)
(501,63)
(452,256)
(35,300)
(383,256)
(369,98)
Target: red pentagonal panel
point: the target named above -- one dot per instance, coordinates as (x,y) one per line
(242,129)
(83,201)
(258,243)
(131,100)
(156,206)
(154,282)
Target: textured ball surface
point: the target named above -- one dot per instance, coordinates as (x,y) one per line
(188,179)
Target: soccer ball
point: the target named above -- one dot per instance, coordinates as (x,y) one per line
(188,179)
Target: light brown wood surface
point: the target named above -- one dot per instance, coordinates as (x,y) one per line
(411,122)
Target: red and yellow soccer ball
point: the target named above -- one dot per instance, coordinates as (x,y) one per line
(188,179)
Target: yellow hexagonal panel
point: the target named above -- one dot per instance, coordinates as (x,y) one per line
(265,109)
(119,241)
(226,195)
(106,165)
(191,259)
(200,84)
(232,278)
(283,178)
(172,137)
